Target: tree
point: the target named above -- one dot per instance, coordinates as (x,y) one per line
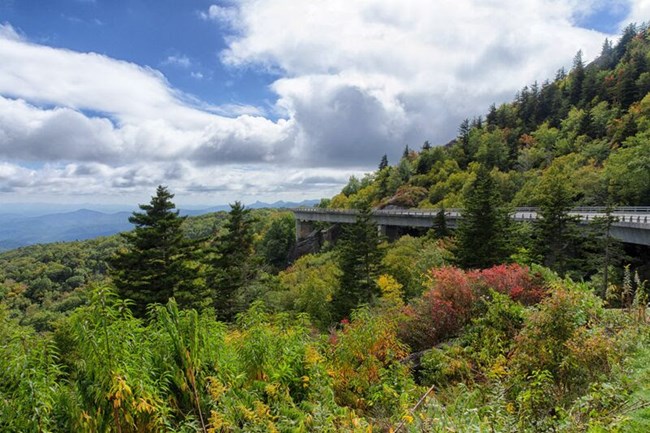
(406,152)
(483,235)
(557,240)
(153,267)
(230,262)
(278,241)
(607,252)
(383,163)
(439,228)
(359,258)
(577,79)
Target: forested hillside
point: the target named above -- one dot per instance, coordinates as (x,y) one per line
(590,127)
(210,324)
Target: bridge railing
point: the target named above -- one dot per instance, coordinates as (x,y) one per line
(630,214)
(580,209)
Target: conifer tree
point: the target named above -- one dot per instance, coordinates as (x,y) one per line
(230,262)
(383,163)
(484,231)
(577,79)
(359,259)
(439,227)
(153,266)
(557,237)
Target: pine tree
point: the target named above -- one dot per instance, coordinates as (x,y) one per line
(230,262)
(606,253)
(383,163)
(483,235)
(557,237)
(153,266)
(359,258)
(439,227)
(577,79)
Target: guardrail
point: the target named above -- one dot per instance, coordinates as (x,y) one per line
(635,214)
(580,209)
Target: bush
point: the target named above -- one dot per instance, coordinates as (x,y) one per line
(513,280)
(452,300)
(365,362)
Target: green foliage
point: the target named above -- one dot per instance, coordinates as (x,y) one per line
(310,284)
(29,379)
(230,262)
(153,267)
(278,240)
(483,235)
(557,239)
(365,355)
(409,258)
(359,257)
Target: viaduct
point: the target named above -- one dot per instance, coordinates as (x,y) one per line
(632,224)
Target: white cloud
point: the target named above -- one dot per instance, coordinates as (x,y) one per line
(640,12)
(227,15)
(180,61)
(355,80)
(364,78)
(8,32)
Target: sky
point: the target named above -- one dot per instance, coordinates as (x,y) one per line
(103,100)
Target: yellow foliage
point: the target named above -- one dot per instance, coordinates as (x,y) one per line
(216,388)
(391,290)
(340,201)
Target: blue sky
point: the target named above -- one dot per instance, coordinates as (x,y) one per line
(168,35)
(101,100)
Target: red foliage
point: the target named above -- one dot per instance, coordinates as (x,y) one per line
(448,305)
(513,280)
(441,311)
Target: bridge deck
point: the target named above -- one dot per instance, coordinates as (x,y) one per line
(632,224)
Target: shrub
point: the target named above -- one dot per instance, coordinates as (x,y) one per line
(441,311)
(451,300)
(513,280)
(365,363)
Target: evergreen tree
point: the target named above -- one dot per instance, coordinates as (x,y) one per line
(153,267)
(607,252)
(230,262)
(426,146)
(439,228)
(577,79)
(359,258)
(557,239)
(278,241)
(383,163)
(406,152)
(483,235)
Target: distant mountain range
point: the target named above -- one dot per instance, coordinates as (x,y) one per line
(18,229)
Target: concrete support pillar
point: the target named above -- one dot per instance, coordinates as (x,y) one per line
(381,230)
(303,229)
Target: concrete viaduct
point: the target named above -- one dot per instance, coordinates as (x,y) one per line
(632,223)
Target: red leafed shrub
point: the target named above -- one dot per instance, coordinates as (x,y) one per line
(450,301)
(513,280)
(441,311)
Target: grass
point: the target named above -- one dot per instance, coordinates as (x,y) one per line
(639,420)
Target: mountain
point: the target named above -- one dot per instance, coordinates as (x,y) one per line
(587,130)
(18,230)
(257,205)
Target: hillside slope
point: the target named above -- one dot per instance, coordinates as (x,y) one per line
(591,124)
